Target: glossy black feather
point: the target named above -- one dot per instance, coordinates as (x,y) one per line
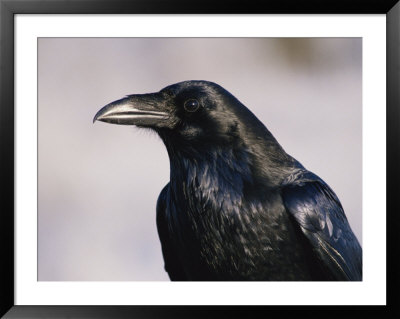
(320,215)
(239,208)
(171,259)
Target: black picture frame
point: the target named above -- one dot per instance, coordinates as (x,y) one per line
(8,9)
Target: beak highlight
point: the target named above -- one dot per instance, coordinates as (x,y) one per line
(140,110)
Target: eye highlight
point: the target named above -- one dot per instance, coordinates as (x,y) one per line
(191,105)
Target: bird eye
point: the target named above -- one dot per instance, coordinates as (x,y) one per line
(191,105)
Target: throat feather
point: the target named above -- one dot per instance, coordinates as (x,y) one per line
(214,181)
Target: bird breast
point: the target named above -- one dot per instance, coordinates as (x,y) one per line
(220,229)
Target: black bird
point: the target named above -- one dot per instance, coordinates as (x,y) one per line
(237,206)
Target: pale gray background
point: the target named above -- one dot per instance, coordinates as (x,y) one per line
(98,183)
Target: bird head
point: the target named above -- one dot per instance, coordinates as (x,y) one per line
(190,112)
(200,119)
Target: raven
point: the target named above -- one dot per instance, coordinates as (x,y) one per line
(237,206)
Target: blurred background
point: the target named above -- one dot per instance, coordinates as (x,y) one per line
(99,183)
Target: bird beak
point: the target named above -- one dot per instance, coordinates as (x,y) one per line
(141,110)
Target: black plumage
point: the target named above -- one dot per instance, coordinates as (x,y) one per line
(237,206)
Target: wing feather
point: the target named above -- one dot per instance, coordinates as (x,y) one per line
(318,212)
(172,263)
